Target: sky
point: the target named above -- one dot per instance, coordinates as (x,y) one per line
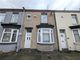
(42,4)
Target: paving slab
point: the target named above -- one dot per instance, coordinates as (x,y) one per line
(42,56)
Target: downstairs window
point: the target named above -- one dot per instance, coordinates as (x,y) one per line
(9,35)
(76,33)
(45,36)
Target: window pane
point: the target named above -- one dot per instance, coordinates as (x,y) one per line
(77,38)
(7,30)
(76,35)
(6,37)
(39,37)
(52,37)
(2,16)
(46,37)
(44,18)
(74,19)
(14,18)
(46,30)
(14,36)
(28,35)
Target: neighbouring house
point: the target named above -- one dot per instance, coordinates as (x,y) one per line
(68,29)
(39,30)
(11,22)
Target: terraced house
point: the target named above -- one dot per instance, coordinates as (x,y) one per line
(39,30)
(43,30)
(68,29)
(10,29)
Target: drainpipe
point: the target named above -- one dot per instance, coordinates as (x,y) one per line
(56,30)
(23,26)
(18,47)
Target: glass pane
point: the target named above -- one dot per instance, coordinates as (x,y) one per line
(14,36)
(2,16)
(6,37)
(77,38)
(46,37)
(7,30)
(75,31)
(43,18)
(52,37)
(73,16)
(76,35)
(39,38)
(14,18)
(74,19)
(29,38)
(46,30)
(62,31)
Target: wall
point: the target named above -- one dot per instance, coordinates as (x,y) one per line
(64,23)
(35,20)
(9,46)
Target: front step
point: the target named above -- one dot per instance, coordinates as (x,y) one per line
(65,50)
(28,51)
(35,51)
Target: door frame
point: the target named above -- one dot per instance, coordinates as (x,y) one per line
(65,39)
(26,39)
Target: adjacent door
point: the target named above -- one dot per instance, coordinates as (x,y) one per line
(63,39)
(27,40)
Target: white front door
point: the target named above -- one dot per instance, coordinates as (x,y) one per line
(27,40)
(63,40)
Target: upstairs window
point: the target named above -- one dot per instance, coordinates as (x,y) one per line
(44,18)
(45,36)
(9,35)
(76,33)
(2,16)
(74,19)
(14,18)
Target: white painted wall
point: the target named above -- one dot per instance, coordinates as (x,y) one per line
(64,23)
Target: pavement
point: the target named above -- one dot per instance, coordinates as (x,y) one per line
(41,56)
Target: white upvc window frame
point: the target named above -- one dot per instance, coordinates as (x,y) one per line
(3,16)
(12,30)
(73,34)
(75,18)
(13,20)
(40,31)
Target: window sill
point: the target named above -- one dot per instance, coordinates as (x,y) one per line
(8,42)
(76,43)
(45,43)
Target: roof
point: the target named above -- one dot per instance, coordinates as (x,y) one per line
(36,10)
